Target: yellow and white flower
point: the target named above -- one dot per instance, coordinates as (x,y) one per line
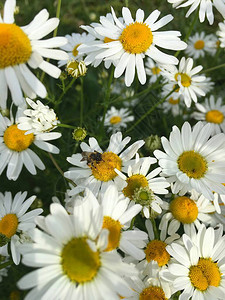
(14,147)
(205,8)
(15,220)
(130,41)
(211,111)
(71,258)
(193,160)
(198,269)
(152,69)
(22,46)
(173,104)
(98,175)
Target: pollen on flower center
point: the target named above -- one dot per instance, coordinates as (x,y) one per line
(115,120)
(156,70)
(199,44)
(104,170)
(156,250)
(185,79)
(75,51)
(134,183)
(206,273)
(15,46)
(184,209)
(152,293)
(79,262)
(192,164)
(174,101)
(16,140)
(136,38)
(8,225)
(114,227)
(214,116)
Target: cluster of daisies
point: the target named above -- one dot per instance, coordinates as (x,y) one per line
(130,226)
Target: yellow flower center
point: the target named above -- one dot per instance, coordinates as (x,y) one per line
(8,225)
(136,38)
(214,116)
(185,79)
(104,170)
(156,250)
(199,44)
(156,70)
(15,139)
(192,164)
(115,120)
(79,262)
(206,273)
(152,293)
(184,209)
(174,101)
(114,227)
(15,46)
(75,51)
(108,40)
(134,183)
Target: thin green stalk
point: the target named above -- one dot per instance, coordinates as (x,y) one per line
(156,232)
(150,110)
(81,101)
(66,126)
(212,69)
(66,90)
(6,264)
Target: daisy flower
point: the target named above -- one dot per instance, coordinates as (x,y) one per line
(193,160)
(39,118)
(205,8)
(142,186)
(22,46)
(130,41)
(172,104)
(14,147)
(188,211)
(97,171)
(199,44)
(152,69)
(14,219)
(221,34)
(211,111)
(190,84)
(74,41)
(199,267)
(116,119)
(71,260)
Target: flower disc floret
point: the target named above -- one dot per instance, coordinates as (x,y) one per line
(184,209)
(16,140)
(114,227)
(143,196)
(15,46)
(174,101)
(104,170)
(136,38)
(156,250)
(134,183)
(206,273)
(199,44)
(185,79)
(8,225)
(214,116)
(115,120)
(192,164)
(79,262)
(152,293)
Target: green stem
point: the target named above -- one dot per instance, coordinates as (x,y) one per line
(6,264)
(66,90)
(155,228)
(150,110)
(81,101)
(212,69)
(66,126)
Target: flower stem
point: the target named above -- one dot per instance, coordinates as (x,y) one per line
(81,101)
(66,126)
(213,68)
(6,264)
(66,90)
(156,233)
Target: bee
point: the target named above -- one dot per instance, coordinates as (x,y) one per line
(91,158)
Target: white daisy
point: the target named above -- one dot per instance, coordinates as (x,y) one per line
(142,186)
(14,220)
(39,118)
(189,211)
(74,41)
(97,172)
(131,40)
(205,8)
(190,84)
(199,44)
(199,267)
(71,260)
(211,111)
(221,34)
(14,147)
(30,49)
(193,160)
(152,69)
(116,119)
(172,104)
